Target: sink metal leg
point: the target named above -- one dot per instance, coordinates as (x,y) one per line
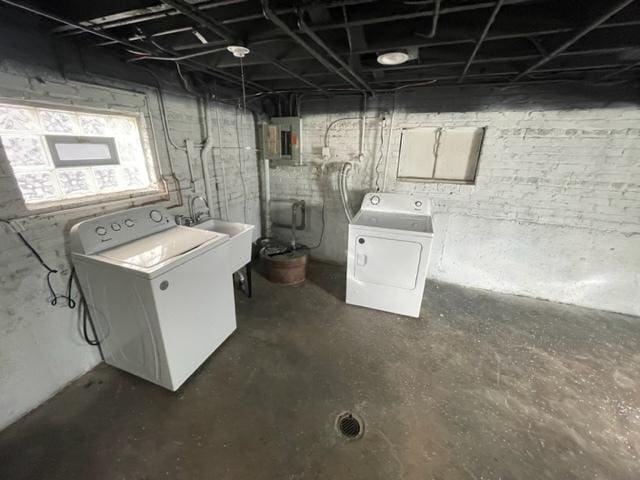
(249,286)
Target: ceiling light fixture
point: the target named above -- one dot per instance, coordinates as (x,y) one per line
(238,51)
(393,58)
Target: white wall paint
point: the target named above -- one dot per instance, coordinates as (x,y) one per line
(41,348)
(554,213)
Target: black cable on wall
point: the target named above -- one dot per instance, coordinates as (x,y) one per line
(71,303)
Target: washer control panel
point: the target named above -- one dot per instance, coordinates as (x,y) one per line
(108,231)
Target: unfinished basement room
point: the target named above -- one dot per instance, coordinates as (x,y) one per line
(331,240)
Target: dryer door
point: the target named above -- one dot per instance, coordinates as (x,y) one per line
(387,262)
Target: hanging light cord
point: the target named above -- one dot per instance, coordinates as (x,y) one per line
(244,93)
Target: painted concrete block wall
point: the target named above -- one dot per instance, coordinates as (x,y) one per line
(41,348)
(554,212)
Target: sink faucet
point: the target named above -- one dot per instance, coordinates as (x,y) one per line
(196,216)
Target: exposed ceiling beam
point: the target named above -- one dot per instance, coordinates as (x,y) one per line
(621,71)
(591,26)
(457,63)
(483,35)
(434,20)
(305,28)
(70,23)
(210,23)
(420,14)
(293,74)
(157,12)
(201,18)
(140,15)
(506,73)
(411,43)
(273,18)
(136,48)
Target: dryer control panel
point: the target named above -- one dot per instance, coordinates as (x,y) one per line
(114,229)
(400,203)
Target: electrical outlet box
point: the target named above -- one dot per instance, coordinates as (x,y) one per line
(280,140)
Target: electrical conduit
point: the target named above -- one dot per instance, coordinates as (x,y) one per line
(205,153)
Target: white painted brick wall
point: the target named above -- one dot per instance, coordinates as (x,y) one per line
(40,346)
(554,167)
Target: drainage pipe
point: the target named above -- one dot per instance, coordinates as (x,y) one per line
(386,156)
(205,153)
(364,127)
(299,204)
(267,198)
(224,173)
(346,168)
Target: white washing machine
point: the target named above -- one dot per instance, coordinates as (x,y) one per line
(388,253)
(160,295)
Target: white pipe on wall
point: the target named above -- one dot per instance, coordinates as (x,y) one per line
(204,157)
(386,156)
(346,168)
(267,198)
(224,173)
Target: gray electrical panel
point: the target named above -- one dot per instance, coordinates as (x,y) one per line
(280,140)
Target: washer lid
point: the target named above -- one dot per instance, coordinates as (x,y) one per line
(161,247)
(394,221)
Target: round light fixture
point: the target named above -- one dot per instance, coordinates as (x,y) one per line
(392,58)
(238,51)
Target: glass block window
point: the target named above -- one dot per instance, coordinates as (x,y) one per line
(59,154)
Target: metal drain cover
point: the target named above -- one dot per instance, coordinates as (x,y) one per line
(349,425)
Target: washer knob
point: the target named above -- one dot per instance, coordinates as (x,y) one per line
(418,204)
(129,223)
(101,231)
(375,200)
(115,227)
(155,215)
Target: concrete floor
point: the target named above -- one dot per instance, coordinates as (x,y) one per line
(482,386)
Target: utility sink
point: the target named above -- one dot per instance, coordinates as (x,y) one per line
(240,236)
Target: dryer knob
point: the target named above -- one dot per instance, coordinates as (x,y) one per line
(129,223)
(101,231)
(418,204)
(155,215)
(375,200)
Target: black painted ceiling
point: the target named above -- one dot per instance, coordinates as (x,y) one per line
(302,46)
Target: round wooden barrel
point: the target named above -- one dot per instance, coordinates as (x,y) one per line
(287,269)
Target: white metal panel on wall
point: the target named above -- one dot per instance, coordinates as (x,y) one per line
(417,153)
(458,152)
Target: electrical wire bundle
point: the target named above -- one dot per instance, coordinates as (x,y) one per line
(71,303)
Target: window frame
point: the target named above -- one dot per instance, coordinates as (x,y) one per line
(157,191)
(110,142)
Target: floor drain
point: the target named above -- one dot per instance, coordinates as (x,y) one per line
(349,425)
